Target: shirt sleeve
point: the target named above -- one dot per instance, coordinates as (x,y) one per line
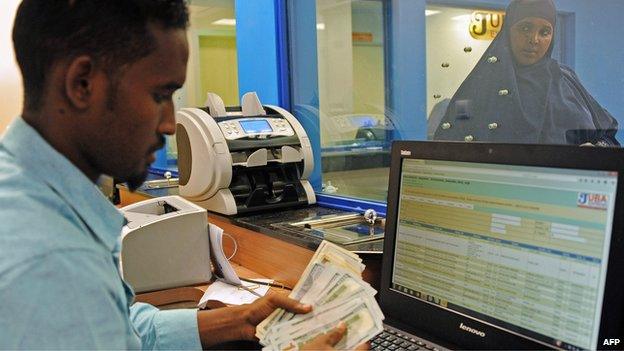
(165,330)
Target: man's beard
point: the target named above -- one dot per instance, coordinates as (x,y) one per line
(134,181)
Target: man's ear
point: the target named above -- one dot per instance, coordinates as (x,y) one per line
(80,81)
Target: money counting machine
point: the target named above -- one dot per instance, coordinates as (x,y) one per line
(242,159)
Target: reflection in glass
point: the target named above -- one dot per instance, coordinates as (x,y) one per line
(518,93)
(354,128)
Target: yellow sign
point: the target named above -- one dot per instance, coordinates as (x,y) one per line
(485,25)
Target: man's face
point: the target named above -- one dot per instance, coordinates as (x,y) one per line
(138,111)
(530,40)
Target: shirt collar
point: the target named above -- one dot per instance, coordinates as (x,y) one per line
(42,161)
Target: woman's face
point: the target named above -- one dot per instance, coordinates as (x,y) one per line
(530,40)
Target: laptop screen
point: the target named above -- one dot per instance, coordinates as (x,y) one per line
(521,248)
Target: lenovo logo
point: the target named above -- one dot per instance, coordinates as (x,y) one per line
(471,330)
(406,153)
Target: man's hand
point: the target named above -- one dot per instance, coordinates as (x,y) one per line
(260,309)
(239,322)
(330,339)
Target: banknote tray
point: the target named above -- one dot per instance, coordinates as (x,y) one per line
(343,229)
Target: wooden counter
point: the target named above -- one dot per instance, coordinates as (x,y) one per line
(270,257)
(274,258)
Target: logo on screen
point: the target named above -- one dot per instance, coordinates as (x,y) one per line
(597,201)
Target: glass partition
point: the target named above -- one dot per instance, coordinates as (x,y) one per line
(354,129)
(374,71)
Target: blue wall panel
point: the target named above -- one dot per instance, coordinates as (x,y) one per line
(257,46)
(263,57)
(304,76)
(599,54)
(406,68)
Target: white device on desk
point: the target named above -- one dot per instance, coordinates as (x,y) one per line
(243,159)
(223,269)
(167,243)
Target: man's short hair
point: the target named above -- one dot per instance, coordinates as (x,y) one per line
(113,32)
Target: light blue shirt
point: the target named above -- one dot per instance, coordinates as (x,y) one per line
(59,246)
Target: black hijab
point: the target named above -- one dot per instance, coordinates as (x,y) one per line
(545,103)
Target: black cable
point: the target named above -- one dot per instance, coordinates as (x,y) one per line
(274,284)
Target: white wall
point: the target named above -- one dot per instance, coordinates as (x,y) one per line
(447,36)
(335,57)
(10,80)
(350,74)
(368,59)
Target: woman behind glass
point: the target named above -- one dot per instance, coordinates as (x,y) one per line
(518,94)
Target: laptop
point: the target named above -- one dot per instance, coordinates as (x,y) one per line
(491,246)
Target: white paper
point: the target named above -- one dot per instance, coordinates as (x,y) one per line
(234,295)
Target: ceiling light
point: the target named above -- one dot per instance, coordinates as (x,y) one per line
(431,12)
(465,18)
(225,22)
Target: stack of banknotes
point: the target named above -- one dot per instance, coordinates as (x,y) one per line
(332,283)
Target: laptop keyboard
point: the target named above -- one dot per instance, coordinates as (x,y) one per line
(395,341)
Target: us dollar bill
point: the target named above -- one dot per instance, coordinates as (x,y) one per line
(332,284)
(357,313)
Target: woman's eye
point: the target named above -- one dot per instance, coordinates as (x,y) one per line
(545,32)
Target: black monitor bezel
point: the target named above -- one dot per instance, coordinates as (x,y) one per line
(444,324)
